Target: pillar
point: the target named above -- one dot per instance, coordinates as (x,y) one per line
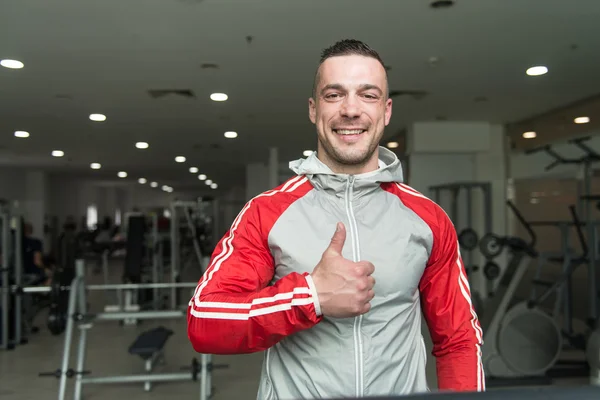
(33,205)
(257,179)
(261,177)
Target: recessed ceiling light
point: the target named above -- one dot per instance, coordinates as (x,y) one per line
(307,153)
(537,70)
(12,64)
(95,165)
(98,117)
(529,135)
(142,145)
(231,135)
(57,153)
(214,186)
(165,188)
(393,145)
(193,170)
(442,3)
(22,134)
(142,180)
(202,177)
(582,120)
(122,174)
(218,97)
(209,182)
(153,184)
(180,159)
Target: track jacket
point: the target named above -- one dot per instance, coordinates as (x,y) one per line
(257,294)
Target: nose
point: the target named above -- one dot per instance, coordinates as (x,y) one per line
(350,108)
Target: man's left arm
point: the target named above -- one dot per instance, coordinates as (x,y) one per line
(452,321)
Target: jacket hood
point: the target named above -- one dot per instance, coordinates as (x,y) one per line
(390,168)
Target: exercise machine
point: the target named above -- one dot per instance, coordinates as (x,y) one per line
(569,260)
(12,307)
(521,342)
(192,224)
(142,263)
(585,162)
(592,255)
(5,309)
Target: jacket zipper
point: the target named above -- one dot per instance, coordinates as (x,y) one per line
(358,344)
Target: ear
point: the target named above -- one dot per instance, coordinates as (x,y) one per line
(388,111)
(312,110)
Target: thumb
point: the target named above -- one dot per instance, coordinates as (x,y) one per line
(338,239)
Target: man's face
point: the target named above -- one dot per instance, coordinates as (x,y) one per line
(350,109)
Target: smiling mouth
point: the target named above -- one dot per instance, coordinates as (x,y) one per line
(349,131)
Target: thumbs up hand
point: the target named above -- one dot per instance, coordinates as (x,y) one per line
(344,287)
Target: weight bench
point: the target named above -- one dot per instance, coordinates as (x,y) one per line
(149,346)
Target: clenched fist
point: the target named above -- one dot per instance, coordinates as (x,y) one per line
(344,287)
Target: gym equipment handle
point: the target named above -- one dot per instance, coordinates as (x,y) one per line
(580,236)
(590,154)
(523,221)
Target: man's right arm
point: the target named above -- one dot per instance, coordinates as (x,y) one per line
(234,310)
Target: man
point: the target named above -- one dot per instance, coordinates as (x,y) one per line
(33,262)
(329,272)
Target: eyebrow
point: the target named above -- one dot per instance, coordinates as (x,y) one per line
(364,86)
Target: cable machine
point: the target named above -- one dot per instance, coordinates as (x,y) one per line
(458,199)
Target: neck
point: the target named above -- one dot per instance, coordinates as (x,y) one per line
(369,165)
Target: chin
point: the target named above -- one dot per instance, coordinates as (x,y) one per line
(349,155)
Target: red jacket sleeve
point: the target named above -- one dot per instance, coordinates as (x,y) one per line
(234,309)
(449,313)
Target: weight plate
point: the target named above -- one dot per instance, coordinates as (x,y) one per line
(468,239)
(490,245)
(470,269)
(491,270)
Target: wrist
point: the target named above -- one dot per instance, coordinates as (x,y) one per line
(315,294)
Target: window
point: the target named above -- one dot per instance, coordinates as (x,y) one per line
(118,217)
(92,217)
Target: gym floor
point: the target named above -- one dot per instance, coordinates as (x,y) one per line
(107,355)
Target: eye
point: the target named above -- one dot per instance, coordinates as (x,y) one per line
(332,96)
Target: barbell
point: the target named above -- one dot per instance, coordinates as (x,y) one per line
(57,315)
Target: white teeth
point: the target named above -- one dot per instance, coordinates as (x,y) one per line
(349,132)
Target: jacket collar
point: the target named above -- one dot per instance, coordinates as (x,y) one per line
(322,177)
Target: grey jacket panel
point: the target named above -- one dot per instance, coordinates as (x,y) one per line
(381,352)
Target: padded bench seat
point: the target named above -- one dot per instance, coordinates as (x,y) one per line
(150,342)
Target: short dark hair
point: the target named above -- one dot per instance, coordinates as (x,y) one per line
(347,47)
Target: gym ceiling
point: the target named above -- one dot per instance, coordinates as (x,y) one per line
(150,67)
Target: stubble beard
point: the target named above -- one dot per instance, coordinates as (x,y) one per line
(350,156)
